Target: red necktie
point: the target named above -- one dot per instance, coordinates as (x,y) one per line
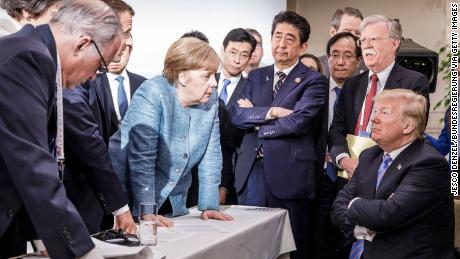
(368,105)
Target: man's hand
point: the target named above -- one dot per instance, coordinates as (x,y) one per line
(164,222)
(214,214)
(245,103)
(279,112)
(125,222)
(222,195)
(349,164)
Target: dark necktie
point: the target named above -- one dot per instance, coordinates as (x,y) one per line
(337,94)
(278,85)
(368,105)
(224,94)
(122,99)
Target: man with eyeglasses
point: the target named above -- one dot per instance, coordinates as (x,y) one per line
(379,42)
(35,64)
(257,54)
(345,19)
(89,178)
(344,58)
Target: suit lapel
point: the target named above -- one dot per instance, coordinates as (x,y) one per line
(396,167)
(132,84)
(112,118)
(295,77)
(394,78)
(267,86)
(236,93)
(360,94)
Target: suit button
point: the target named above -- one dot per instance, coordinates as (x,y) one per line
(10,213)
(185,156)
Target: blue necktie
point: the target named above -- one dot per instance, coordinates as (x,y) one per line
(331,172)
(223,94)
(383,168)
(358,246)
(122,99)
(281,77)
(357,249)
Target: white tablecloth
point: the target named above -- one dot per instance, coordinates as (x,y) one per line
(254,233)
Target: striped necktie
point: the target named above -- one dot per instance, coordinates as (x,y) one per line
(281,77)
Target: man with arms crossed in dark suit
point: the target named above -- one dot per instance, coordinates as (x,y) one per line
(398,202)
(379,42)
(89,179)
(279,105)
(238,46)
(32,197)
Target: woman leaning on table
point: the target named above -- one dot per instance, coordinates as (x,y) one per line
(170,126)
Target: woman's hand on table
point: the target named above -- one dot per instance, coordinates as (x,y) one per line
(214,214)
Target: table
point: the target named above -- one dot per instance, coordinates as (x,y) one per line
(255,232)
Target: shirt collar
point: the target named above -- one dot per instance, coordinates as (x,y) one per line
(286,70)
(395,153)
(112,77)
(383,75)
(332,84)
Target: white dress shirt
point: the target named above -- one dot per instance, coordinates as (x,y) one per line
(112,78)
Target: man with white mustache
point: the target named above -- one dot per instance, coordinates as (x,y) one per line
(379,42)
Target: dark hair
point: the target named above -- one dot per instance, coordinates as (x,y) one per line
(196,34)
(339,36)
(295,20)
(35,8)
(315,58)
(240,35)
(350,11)
(254,31)
(120,6)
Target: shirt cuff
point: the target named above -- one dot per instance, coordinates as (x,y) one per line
(121,210)
(340,156)
(39,245)
(351,202)
(361,232)
(268,115)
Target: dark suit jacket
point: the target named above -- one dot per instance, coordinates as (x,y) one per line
(90,181)
(28,172)
(230,136)
(102,105)
(290,158)
(352,98)
(412,210)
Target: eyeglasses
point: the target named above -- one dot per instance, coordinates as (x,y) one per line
(101,69)
(347,58)
(372,40)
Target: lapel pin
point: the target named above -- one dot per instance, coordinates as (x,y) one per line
(399,167)
(267,79)
(297,80)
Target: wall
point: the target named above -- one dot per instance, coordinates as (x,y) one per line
(157,24)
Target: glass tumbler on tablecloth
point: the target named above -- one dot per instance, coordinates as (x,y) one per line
(148,213)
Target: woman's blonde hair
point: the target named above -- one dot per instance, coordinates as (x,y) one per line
(189,54)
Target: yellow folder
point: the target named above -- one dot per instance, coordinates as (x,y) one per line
(356,145)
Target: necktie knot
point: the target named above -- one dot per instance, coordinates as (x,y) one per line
(374,78)
(120,79)
(383,168)
(387,159)
(224,94)
(281,75)
(279,83)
